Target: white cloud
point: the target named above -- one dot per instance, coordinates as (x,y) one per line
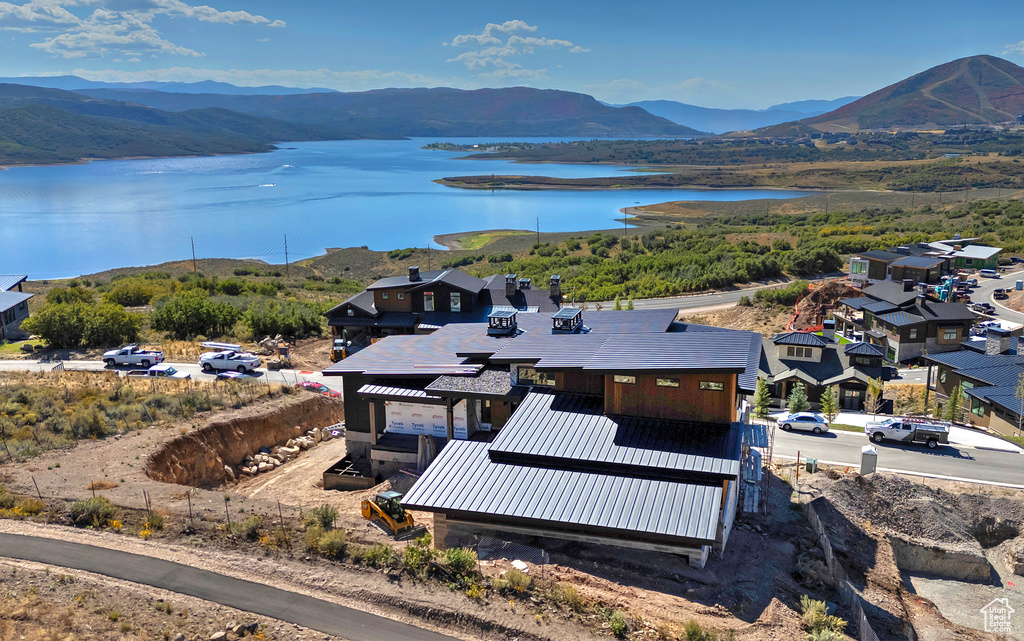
(492,49)
(1011,49)
(341,80)
(114,27)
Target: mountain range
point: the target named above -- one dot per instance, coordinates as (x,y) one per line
(975,90)
(74,83)
(723,120)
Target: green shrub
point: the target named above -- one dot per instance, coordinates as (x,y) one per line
(312,537)
(7,499)
(745,302)
(568,596)
(332,544)
(416,560)
(96,512)
(514,581)
(192,313)
(68,295)
(617,623)
(250,528)
(155,522)
(31,506)
(380,555)
(130,293)
(323,517)
(461,562)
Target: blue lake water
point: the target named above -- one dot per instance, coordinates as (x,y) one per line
(77,219)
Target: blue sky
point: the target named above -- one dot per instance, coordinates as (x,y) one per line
(717,54)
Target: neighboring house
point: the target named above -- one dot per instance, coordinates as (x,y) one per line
(920,269)
(817,363)
(872,266)
(968,256)
(424,301)
(988,381)
(905,322)
(13,306)
(579,425)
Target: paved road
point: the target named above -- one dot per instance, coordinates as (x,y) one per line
(308,612)
(282,377)
(916,376)
(954,461)
(983,294)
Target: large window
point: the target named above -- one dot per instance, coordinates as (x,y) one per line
(456,302)
(949,334)
(428,301)
(799,352)
(858,267)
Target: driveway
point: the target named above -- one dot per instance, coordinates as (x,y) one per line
(309,612)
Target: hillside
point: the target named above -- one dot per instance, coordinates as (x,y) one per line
(74,83)
(391,113)
(723,120)
(968,91)
(39,125)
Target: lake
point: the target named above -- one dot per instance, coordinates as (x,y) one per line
(69,220)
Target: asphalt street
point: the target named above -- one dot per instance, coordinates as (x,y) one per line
(953,461)
(316,614)
(983,294)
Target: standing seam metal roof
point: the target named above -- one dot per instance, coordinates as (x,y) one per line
(464,479)
(11,299)
(806,339)
(570,431)
(8,281)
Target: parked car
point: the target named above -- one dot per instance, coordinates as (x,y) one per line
(806,421)
(232,375)
(132,355)
(988,273)
(230,359)
(971,282)
(1000,294)
(984,308)
(908,430)
(161,371)
(319,388)
(1016,259)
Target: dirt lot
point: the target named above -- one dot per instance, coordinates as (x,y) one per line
(860,515)
(817,305)
(767,320)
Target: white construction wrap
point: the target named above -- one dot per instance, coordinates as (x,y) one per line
(416,418)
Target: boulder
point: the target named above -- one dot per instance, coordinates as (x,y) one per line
(1015,556)
(230,473)
(219,636)
(27,348)
(265,467)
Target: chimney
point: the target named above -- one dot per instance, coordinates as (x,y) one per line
(414,273)
(921,300)
(556,287)
(828,330)
(524,283)
(997,341)
(510,284)
(1020,346)
(957,236)
(908,284)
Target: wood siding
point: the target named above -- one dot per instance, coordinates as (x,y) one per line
(579,382)
(686,402)
(392,303)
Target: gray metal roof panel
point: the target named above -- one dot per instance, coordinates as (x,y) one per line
(806,339)
(879,307)
(391,391)
(12,299)
(9,281)
(409,356)
(387,319)
(464,479)
(918,262)
(673,351)
(856,303)
(863,349)
(981,252)
(879,254)
(891,292)
(900,319)
(570,431)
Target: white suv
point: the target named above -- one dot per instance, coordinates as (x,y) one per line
(807,421)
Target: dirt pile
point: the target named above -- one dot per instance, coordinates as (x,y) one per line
(199,458)
(900,506)
(816,306)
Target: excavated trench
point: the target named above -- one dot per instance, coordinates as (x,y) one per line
(202,458)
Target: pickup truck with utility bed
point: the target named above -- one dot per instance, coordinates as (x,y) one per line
(132,355)
(230,357)
(908,430)
(160,371)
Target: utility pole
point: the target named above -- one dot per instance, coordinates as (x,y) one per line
(287,265)
(538,230)
(428,257)
(193,241)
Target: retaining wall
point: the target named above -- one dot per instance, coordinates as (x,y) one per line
(198,458)
(961,563)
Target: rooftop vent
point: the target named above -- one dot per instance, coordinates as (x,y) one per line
(957,236)
(414,273)
(567,320)
(524,283)
(510,284)
(903,249)
(501,323)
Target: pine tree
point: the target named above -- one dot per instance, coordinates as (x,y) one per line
(797,401)
(629,303)
(618,304)
(956,401)
(830,403)
(762,399)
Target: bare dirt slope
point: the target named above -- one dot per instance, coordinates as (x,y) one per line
(768,321)
(818,304)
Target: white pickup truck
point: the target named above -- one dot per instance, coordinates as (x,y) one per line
(132,355)
(160,371)
(230,357)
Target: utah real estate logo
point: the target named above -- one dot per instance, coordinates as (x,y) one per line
(997,616)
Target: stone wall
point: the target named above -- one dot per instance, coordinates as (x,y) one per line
(961,562)
(198,458)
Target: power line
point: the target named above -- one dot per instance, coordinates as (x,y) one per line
(287,266)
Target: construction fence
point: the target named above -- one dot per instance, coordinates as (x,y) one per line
(850,596)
